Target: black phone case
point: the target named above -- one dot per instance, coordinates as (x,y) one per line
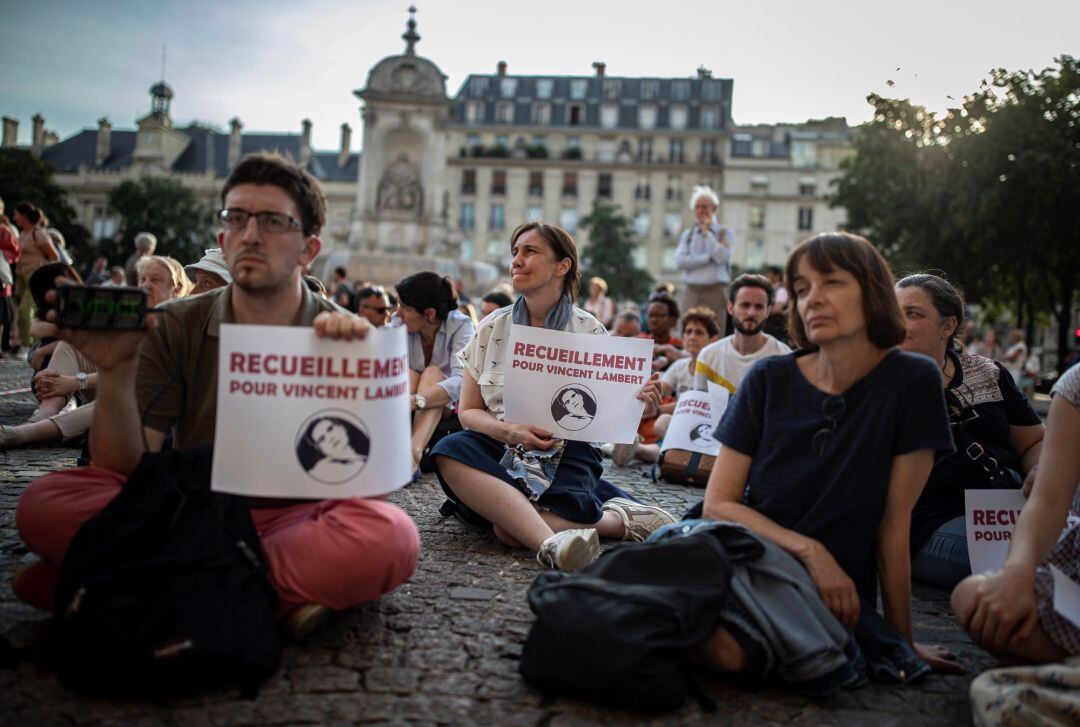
(100,308)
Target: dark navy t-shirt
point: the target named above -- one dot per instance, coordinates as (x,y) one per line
(837,498)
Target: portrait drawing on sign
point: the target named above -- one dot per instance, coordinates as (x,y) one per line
(573,407)
(701,434)
(332,446)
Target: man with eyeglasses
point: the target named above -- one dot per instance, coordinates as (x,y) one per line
(374,305)
(323,555)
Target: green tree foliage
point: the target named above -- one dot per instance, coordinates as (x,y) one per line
(26,178)
(988,191)
(182,223)
(610,254)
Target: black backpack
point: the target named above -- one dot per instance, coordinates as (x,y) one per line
(165,591)
(620,631)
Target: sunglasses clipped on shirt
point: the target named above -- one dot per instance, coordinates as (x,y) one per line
(832,408)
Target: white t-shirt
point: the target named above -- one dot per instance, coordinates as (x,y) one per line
(720,362)
(679,376)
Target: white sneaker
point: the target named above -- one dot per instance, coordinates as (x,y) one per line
(569,550)
(640,521)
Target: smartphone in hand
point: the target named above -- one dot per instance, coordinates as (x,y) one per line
(99,308)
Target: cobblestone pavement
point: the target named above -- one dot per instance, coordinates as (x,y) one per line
(443,648)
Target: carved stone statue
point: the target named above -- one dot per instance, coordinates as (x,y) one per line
(400,189)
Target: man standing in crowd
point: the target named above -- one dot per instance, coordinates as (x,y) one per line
(727,361)
(343,294)
(145,244)
(374,305)
(323,555)
(704,256)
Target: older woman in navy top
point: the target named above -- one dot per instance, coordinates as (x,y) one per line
(827,449)
(437,331)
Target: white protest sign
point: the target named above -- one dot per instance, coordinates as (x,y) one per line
(304,417)
(577,385)
(691,425)
(989,519)
(1066,596)
(719,397)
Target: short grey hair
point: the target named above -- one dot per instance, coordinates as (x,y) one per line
(703,190)
(146,241)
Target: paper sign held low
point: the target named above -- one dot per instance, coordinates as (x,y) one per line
(577,385)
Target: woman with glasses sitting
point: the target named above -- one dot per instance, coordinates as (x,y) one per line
(827,449)
(998,435)
(437,331)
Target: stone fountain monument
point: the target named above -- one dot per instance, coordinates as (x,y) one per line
(399,224)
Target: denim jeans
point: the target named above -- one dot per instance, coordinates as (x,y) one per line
(943,560)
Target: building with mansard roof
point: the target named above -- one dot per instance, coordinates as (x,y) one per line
(443,180)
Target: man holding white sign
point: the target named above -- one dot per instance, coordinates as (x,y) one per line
(542,379)
(322,554)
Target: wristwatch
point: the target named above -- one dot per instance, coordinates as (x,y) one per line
(81,378)
(419,402)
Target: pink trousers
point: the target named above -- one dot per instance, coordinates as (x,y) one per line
(334,552)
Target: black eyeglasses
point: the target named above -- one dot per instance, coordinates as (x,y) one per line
(236,219)
(832,408)
(380,309)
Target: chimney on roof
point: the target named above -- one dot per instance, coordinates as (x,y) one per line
(51,137)
(600,68)
(346,140)
(501,67)
(703,72)
(37,138)
(235,142)
(305,143)
(11,132)
(104,141)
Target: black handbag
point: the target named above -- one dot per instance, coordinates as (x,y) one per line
(998,476)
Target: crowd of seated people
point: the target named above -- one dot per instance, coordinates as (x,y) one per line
(845,455)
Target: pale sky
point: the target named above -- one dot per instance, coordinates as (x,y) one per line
(275,62)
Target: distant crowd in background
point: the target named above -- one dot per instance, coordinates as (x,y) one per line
(861,408)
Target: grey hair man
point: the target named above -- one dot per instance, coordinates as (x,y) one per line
(145,244)
(704,256)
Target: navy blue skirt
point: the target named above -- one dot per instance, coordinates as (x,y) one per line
(577,493)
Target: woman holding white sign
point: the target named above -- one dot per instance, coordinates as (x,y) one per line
(437,331)
(533,490)
(827,449)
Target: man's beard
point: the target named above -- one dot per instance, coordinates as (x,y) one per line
(747,327)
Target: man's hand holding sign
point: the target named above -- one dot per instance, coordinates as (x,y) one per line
(333,410)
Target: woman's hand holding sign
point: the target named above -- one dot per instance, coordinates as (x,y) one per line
(529,436)
(650,394)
